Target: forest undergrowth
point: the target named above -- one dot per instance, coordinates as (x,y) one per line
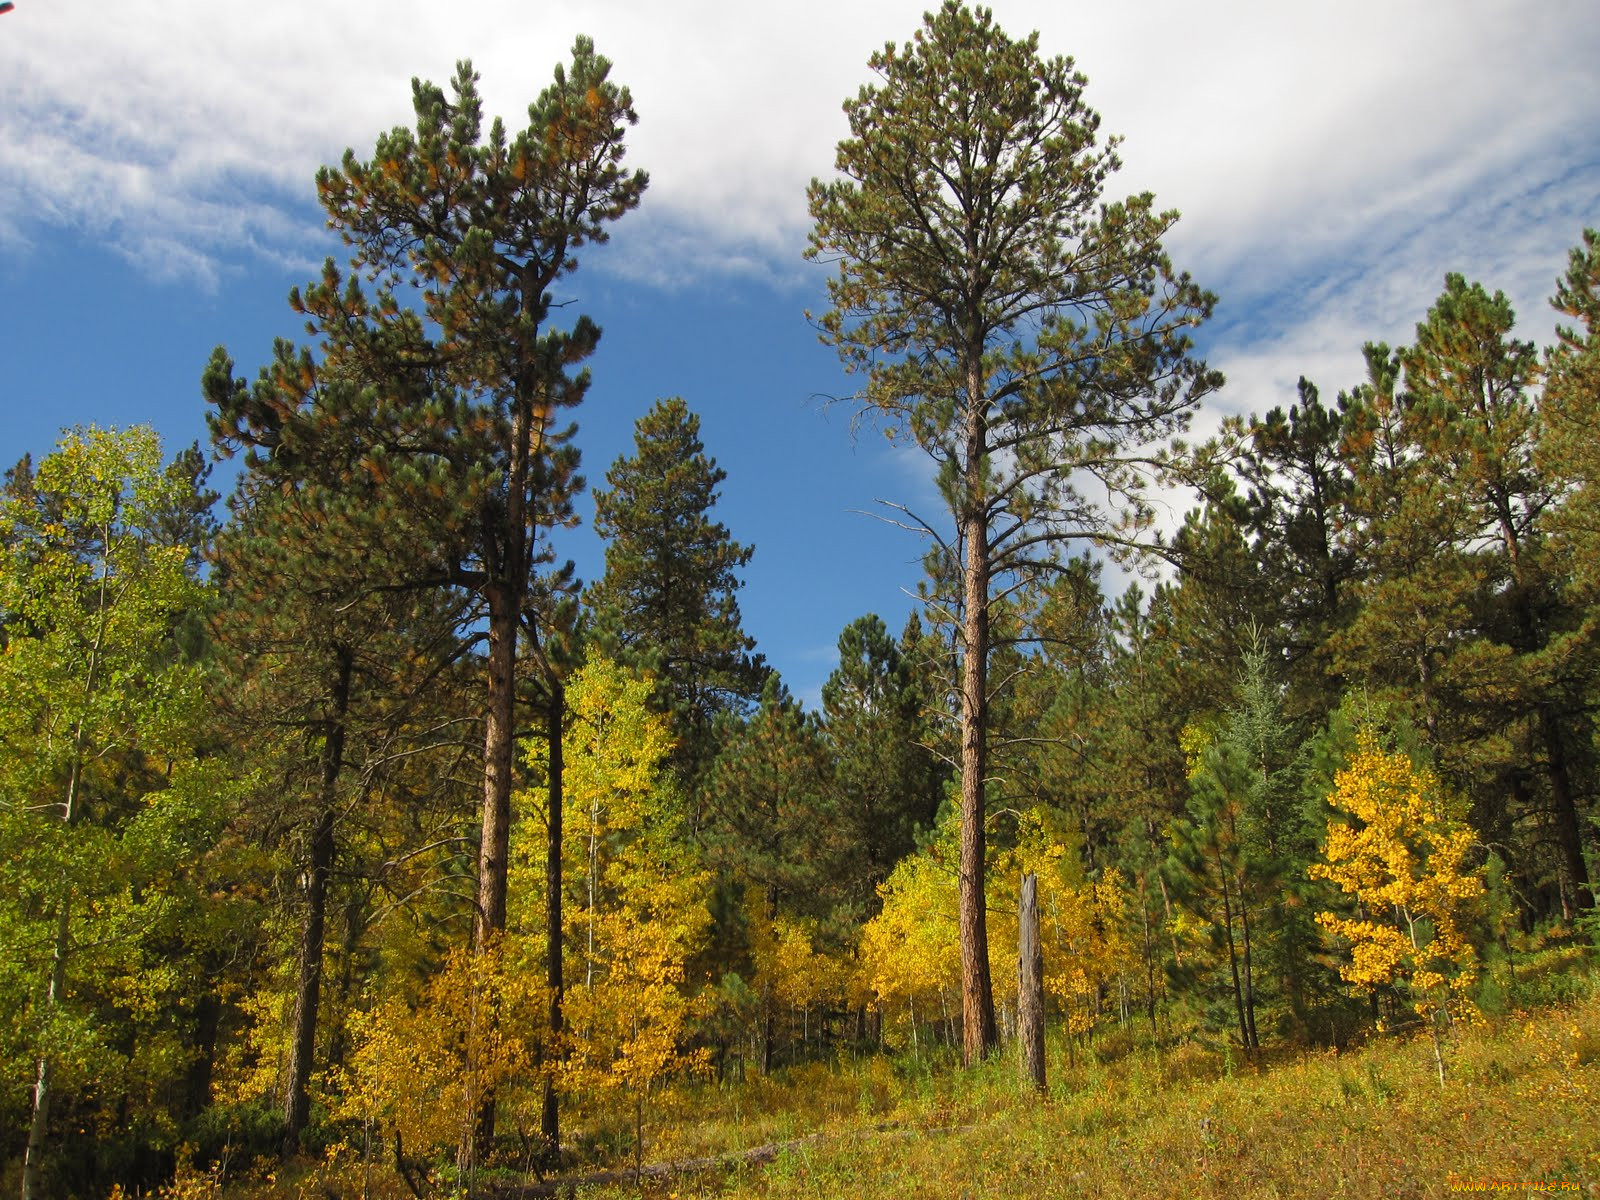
(1128,1117)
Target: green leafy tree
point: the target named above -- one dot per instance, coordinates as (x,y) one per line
(1109,758)
(1240,852)
(1472,385)
(1024,334)
(106,802)
(1412,598)
(773,830)
(668,597)
(1219,603)
(1296,484)
(1211,868)
(774,823)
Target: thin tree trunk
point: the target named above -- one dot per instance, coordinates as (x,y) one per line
(1430,718)
(1149,954)
(550,1122)
(197,1079)
(33,1155)
(1249,973)
(1030,986)
(1233,958)
(1248,991)
(499,747)
(638,1136)
(768,1032)
(1166,903)
(308,993)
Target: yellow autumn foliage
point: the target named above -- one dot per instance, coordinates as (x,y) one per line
(1405,859)
(634,910)
(633,913)
(910,958)
(788,962)
(423,1070)
(1082,923)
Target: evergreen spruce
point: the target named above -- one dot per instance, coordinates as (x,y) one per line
(877,722)
(667,600)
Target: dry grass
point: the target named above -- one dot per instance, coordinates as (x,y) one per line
(1519,1107)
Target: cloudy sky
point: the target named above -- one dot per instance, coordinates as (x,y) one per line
(1332,162)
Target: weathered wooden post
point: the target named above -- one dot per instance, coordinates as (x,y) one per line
(1030,986)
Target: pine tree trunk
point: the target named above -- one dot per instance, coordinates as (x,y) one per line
(1166,900)
(1030,986)
(499,744)
(1249,972)
(769,1031)
(1568,829)
(498,749)
(978,1033)
(308,993)
(1233,957)
(197,1079)
(1149,955)
(506,590)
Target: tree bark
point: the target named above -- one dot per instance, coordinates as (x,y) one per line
(498,748)
(1568,831)
(507,589)
(1233,957)
(550,1117)
(1569,834)
(494,854)
(33,1156)
(1249,970)
(978,1033)
(1030,986)
(197,1079)
(308,994)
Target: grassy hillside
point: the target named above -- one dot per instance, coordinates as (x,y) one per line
(1519,1108)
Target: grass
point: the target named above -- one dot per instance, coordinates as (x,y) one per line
(1519,1107)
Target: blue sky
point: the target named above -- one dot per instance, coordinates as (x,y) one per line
(1332,163)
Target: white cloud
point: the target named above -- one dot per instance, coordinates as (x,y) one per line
(1282,130)
(1331,161)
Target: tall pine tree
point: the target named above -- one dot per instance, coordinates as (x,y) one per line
(459,399)
(1024,334)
